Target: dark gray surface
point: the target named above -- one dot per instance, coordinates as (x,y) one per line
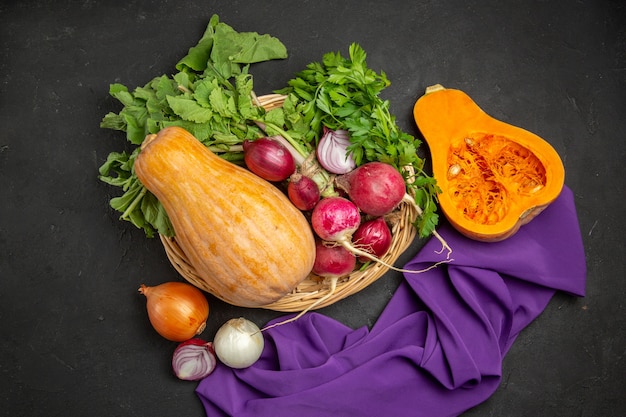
(75,336)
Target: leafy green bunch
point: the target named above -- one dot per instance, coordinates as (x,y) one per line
(211,96)
(344,93)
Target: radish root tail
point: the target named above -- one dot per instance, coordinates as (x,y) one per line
(444,245)
(358,252)
(331,290)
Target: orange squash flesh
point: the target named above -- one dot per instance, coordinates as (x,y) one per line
(242,235)
(494,177)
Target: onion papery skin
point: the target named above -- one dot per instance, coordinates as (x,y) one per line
(238,343)
(268,159)
(332,152)
(177,311)
(373,236)
(193,360)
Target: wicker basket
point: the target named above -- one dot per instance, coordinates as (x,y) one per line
(313,287)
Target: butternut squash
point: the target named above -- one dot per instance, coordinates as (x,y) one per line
(246,241)
(494,177)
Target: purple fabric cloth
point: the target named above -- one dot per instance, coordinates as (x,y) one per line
(436,349)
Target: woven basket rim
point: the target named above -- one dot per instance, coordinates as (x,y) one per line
(313,288)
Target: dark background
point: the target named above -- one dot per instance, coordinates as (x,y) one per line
(75,339)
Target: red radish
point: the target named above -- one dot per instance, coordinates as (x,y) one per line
(332,261)
(335,219)
(375,187)
(303,192)
(268,159)
(373,236)
(378,188)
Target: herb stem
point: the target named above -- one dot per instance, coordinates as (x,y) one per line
(223,80)
(297,146)
(134,203)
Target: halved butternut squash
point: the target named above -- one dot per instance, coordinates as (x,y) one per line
(494,177)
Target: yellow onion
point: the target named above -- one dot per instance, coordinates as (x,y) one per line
(177,311)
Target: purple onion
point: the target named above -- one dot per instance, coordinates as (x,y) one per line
(268,159)
(332,152)
(193,360)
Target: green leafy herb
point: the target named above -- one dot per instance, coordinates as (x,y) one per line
(343,93)
(210,96)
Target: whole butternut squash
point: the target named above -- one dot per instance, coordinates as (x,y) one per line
(494,176)
(241,234)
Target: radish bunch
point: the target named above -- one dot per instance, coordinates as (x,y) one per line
(350,224)
(356,222)
(350,227)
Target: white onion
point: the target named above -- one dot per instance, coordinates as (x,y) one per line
(238,343)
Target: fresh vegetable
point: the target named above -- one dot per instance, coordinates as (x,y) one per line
(375,187)
(303,192)
(268,159)
(177,311)
(234,227)
(342,93)
(495,177)
(238,343)
(332,261)
(335,219)
(373,236)
(332,151)
(193,360)
(210,95)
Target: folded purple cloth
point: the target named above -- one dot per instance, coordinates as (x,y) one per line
(437,348)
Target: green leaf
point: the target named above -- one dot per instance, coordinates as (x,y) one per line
(154,213)
(135,120)
(275,116)
(188,109)
(223,103)
(245,47)
(120,92)
(113,121)
(198,55)
(184,81)
(164,87)
(203,89)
